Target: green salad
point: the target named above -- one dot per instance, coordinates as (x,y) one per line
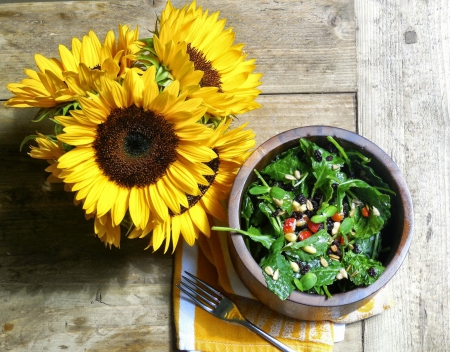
(312,220)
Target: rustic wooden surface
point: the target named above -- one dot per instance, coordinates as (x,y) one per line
(383,69)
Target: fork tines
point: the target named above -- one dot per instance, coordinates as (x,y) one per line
(208,298)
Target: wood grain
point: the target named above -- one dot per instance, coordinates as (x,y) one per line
(403,55)
(300,46)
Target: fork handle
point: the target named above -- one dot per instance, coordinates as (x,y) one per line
(262,333)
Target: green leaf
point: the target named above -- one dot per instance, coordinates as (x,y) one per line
(257,190)
(324,214)
(285,164)
(346,226)
(306,282)
(277,192)
(247,209)
(359,269)
(27,139)
(283,286)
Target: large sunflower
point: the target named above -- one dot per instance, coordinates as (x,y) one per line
(136,149)
(228,85)
(62,81)
(232,148)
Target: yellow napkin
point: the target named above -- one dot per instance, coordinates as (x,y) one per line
(198,330)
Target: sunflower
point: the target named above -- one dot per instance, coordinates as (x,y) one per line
(232,148)
(227,86)
(61,81)
(51,151)
(136,150)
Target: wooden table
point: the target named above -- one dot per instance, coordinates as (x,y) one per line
(379,67)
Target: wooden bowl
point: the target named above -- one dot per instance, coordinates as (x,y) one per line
(397,235)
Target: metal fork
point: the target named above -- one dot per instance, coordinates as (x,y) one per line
(220,306)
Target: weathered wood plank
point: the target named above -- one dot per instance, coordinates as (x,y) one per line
(403,105)
(300,46)
(61,289)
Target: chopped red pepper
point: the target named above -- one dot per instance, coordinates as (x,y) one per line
(313,226)
(289,225)
(303,235)
(341,240)
(338,217)
(365,212)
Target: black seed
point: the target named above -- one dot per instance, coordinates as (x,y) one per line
(331,148)
(317,155)
(301,199)
(297,215)
(315,204)
(372,272)
(329,158)
(304,269)
(330,225)
(276,213)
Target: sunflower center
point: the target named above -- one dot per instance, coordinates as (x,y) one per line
(134,147)
(211,77)
(192,200)
(136,144)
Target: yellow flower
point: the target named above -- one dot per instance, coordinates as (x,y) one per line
(228,86)
(232,148)
(51,151)
(62,81)
(136,150)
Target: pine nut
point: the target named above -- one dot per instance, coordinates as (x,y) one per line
(309,249)
(278,202)
(309,205)
(334,248)
(376,212)
(290,177)
(339,276)
(297,174)
(335,229)
(276,275)
(303,208)
(343,272)
(290,237)
(334,257)
(268,270)
(324,262)
(296,206)
(295,267)
(335,167)
(300,222)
